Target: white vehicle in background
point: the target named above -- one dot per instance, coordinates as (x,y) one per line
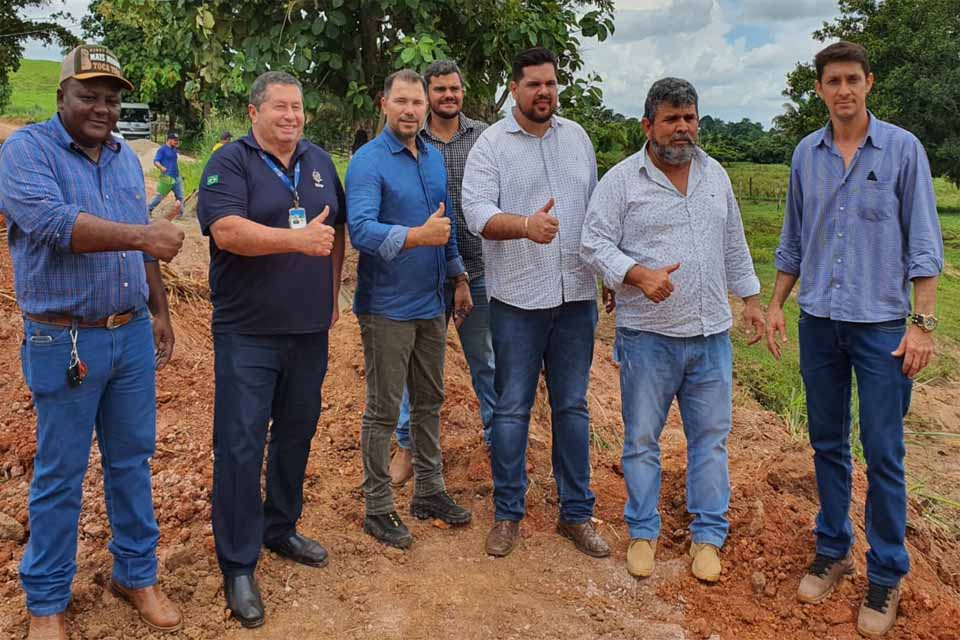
(134,122)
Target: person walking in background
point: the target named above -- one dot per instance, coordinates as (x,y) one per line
(860,228)
(664,231)
(166,161)
(454,134)
(526,186)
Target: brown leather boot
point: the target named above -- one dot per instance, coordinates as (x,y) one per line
(503,538)
(48,627)
(585,537)
(155,609)
(401,467)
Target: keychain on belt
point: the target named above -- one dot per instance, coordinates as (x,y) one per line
(77,370)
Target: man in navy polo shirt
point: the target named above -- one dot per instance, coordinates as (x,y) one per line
(273,206)
(166,161)
(401,222)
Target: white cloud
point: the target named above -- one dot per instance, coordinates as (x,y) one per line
(779,11)
(733,79)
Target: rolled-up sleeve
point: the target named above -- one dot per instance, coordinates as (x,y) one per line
(481,186)
(367,234)
(603,232)
(32,198)
(919,215)
(786,258)
(742,280)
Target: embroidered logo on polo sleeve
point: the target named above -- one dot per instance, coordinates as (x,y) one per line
(317,180)
(212,180)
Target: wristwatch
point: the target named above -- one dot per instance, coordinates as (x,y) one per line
(927,322)
(465,277)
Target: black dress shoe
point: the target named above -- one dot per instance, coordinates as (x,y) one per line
(388,529)
(439,506)
(300,549)
(243,600)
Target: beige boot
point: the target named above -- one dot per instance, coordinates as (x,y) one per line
(640,557)
(706,562)
(401,467)
(878,613)
(822,578)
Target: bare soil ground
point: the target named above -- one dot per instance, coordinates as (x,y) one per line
(445,586)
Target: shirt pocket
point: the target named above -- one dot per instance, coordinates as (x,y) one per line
(877,200)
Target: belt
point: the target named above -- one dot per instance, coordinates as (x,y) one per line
(110,322)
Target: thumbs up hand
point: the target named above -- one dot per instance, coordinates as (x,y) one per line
(317,236)
(655,283)
(435,232)
(541,227)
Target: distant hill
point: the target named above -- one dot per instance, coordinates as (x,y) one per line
(34,90)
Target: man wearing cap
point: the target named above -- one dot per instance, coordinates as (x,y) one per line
(166,161)
(96,329)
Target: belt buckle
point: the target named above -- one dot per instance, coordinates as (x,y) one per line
(111,319)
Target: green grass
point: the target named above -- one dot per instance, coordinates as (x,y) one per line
(777,385)
(34,90)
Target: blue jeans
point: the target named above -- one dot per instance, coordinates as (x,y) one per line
(559,341)
(697,371)
(177,193)
(829,352)
(259,378)
(117,401)
(478,351)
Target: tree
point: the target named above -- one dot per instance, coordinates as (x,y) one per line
(914,48)
(15,30)
(208,52)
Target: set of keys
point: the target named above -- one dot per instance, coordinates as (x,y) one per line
(77,370)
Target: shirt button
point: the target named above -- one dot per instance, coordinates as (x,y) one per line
(836,286)
(841,208)
(840,235)
(839,260)
(126,284)
(124,255)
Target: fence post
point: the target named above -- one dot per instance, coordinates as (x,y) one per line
(751,187)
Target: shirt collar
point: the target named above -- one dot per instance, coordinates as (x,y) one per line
(875,133)
(514,127)
(394,144)
(61,135)
(466,124)
(251,142)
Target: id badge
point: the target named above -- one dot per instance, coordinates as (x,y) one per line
(298,217)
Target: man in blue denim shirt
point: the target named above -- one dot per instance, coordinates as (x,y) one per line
(860,226)
(400,220)
(84,258)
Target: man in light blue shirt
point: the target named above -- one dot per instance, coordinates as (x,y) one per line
(400,220)
(860,227)
(664,231)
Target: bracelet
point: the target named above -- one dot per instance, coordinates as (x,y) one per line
(526,234)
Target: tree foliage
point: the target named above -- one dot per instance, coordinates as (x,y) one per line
(914,49)
(743,141)
(15,30)
(192,56)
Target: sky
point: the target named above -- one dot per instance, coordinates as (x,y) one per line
(735,52)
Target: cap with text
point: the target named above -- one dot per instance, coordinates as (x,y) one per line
(92,61)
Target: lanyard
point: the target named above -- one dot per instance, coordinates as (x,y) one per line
(284,178)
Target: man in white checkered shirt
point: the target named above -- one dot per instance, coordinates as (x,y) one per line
(526,187)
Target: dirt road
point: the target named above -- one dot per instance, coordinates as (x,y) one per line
(445,586)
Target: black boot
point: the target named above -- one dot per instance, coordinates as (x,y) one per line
(243,600)
(388,529)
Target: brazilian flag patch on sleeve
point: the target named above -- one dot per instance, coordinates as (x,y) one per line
(212,180)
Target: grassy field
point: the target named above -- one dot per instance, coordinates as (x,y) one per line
(34,91)
(777,385)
